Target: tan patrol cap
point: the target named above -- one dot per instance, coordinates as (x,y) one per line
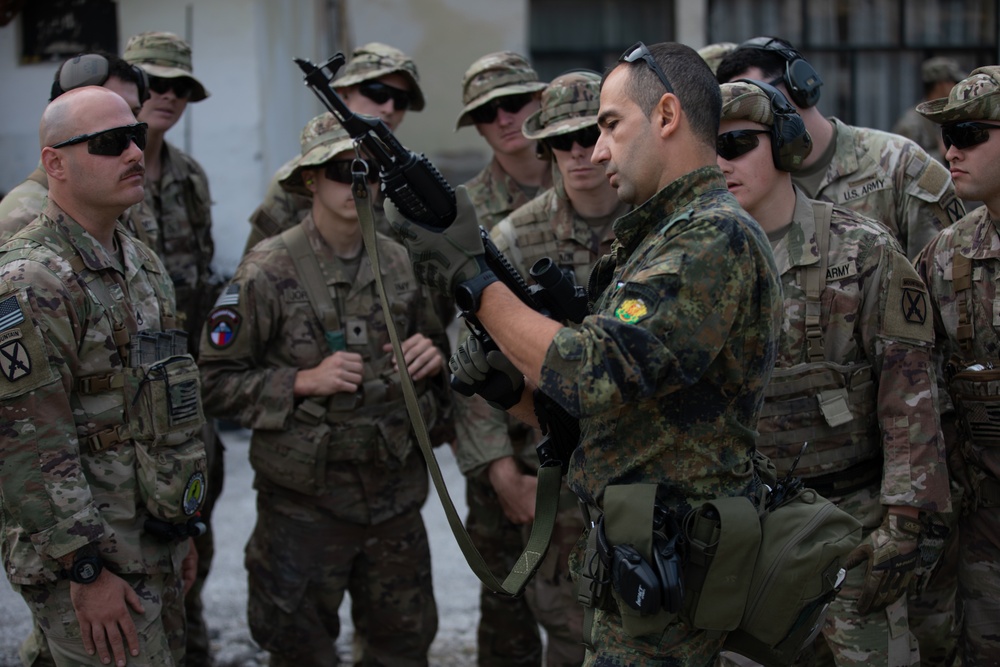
(375,59)
(977,97)
(496,75)
(165,55)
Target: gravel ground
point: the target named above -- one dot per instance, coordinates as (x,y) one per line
(456,587)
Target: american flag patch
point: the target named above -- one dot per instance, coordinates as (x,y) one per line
(230,297)
(10,313)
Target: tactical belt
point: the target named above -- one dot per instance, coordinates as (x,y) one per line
(843,482)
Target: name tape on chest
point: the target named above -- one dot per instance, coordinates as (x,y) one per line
(841,271)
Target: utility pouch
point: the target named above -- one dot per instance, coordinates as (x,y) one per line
(628,524)
(294,458)
(723,537)
(975,390)
(163,401)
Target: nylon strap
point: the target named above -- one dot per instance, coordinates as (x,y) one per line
(961,277)
(549,478)
(814,279)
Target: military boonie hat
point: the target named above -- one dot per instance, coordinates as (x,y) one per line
(714,53)
(323,138)
(165,55)
(976,97)
(571,102)
(374,60)
(496,75)
(745,101)
(938,69)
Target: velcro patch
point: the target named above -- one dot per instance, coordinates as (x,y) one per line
(907,305)
(632,311)
(15,360)
(10,313)
(21,348)
(841,271)
(223,325)
(229,297)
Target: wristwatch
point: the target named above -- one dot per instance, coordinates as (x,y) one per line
(86,569)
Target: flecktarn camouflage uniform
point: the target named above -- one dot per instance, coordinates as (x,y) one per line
(668,373)
(69,458)
(961,267)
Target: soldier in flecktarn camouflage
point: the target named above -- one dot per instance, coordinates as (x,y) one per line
(297,349)
(961,267)
(851,404)
(102,470)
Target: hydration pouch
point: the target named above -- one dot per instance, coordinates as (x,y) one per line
(163,401)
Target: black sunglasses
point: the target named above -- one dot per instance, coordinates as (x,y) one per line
(731,145)
(340,171)
(487,113)
(586,138)
(380,93)
(182,86)
(966,134)
(110,142)
(639,51)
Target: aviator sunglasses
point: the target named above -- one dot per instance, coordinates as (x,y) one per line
(182,86)
(639,51)
(586,138)
(731,145)
(340,171)
(380,93)
(110,142)
(966,134)
(487,113)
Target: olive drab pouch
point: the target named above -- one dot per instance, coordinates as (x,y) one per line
(163,404)
(295,458)
(975,391)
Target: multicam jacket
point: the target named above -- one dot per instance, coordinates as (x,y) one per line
(904,188)
(58,493)
(496,194)
(264,329)
(922,130)
(279,211)
(873,323)
(667,375)
(975,237)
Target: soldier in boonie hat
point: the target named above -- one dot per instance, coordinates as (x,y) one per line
(374,60)
(164,55)
(714,53)
(323,138)
(976,97)
(569,103)
(493,76)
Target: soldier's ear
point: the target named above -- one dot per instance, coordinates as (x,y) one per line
(54,163)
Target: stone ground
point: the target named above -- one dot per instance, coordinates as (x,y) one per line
(456,587)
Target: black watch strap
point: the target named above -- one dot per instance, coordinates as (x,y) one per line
(87,565)
(469,293)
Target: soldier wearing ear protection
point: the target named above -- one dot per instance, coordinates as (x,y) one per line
(854,377)
(878,174)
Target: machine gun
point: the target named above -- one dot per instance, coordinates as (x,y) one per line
(423,196)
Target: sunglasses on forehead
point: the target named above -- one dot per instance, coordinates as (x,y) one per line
(110,142)
(380,93)
(182,86)
(340,171)
(586,138)
(639,51)
(966,134)
(731,145)
(487,113)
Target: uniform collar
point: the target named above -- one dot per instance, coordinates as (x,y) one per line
(798,246)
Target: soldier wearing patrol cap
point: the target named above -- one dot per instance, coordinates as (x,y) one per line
(961,267)
(380,81)
(938,75)
(713,54)
(880,175)
(178,197)
(499,91)
(857,348)
(297,350)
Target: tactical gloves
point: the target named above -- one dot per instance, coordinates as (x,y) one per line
(891,554)
(483,369)
(444,259)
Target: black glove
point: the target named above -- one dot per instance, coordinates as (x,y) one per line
(445,259)
(891,554)
(483,369)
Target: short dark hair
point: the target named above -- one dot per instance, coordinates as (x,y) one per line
(771,63)
(692,81)
(117,67)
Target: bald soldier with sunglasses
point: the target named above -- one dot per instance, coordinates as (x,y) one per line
(851,405)
(961,266)
(80,476)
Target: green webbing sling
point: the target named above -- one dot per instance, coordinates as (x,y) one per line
(549,478)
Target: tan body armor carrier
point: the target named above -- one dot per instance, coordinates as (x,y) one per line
(159,387)
(832,407)
(534,239)
(368,426)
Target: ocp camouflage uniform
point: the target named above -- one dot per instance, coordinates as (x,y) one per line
(69,467)
(904,188)
(925,133)
(26,200)
(668,373)
(496,194)
(878,445)
(339,485)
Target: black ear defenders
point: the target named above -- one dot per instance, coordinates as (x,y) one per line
(790,142)
(801,79)
(93,69)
